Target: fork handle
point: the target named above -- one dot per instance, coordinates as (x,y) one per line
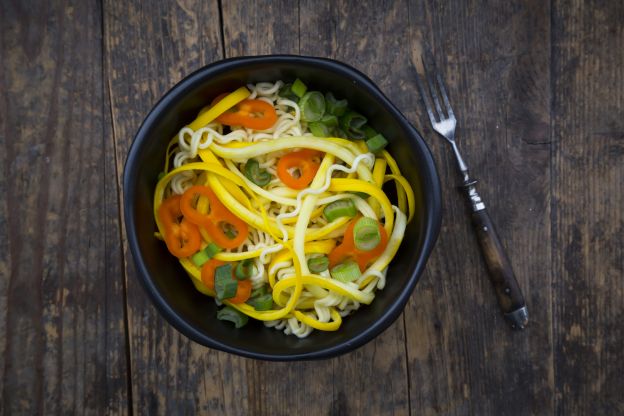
(510,298)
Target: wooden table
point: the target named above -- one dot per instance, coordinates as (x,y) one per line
(538,87)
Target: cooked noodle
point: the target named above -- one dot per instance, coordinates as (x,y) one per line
(285,218)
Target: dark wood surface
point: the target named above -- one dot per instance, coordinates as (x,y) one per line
(538,87)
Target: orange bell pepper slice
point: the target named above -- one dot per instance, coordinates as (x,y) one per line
(253,114)
(348,249)
(243,290)
(219,221)
(297,169)
(181,236)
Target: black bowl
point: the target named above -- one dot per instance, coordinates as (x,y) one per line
(174,295)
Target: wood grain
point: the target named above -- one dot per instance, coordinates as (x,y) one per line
(149,47)
(463,357)
(62,322)
(588,225)
(538,88)
(343,385)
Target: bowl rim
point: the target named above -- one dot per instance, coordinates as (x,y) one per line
(432,202)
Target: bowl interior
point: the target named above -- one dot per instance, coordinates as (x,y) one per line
(166,282)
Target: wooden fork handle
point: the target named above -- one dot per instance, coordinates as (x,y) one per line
(508,291)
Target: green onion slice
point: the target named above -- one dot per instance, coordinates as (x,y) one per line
(225,286)
(352,124)
(287,92)
(369,132)
(312,106)
(254,173)
(330,120)
(244,269)
(376,144)
(340,208)
(334,106)
(346,272)
(262,302)
(206,254)
(228,313)
(366,234)
(318,264)
(299,88)
(319,129)
(262,290)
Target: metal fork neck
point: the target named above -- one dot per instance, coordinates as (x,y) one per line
(468,184)
(460,161)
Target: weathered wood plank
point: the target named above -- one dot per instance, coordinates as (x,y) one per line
(368,36)
(61,293)
(463,357)
(588,225)
(148,48)
(252,28)
(349,384)
(260,27)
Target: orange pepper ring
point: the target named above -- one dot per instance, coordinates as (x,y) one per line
(212,221)
(253,114)
(348,250)
(303,160)
(243,290)
(182,238)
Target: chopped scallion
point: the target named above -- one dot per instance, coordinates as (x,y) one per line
(225,286)
(244,269)
(369,132)
(352,123)
(262,302)
(334,106)
(254,173)
(319,129)
(340,208)
(262,290)
(206,254)
(228,313)
(287,92)
(330,120)
(318,264)
(376,144)
(346,272)
(338,132)
(299,88)
(366,234)
(312,106)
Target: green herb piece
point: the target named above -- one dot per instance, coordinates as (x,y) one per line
(225,286)
(376,144)
(244,269)
(346,272)
(262,302)
(254,173)
(366,234)
(299,88)
(340,208)
(318,264)
(206,254)
(228,313)
(334,106)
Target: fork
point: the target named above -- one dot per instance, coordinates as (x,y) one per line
(508,293)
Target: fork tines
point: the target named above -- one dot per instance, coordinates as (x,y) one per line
(432,91)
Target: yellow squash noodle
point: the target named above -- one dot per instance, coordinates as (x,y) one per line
(290,231)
